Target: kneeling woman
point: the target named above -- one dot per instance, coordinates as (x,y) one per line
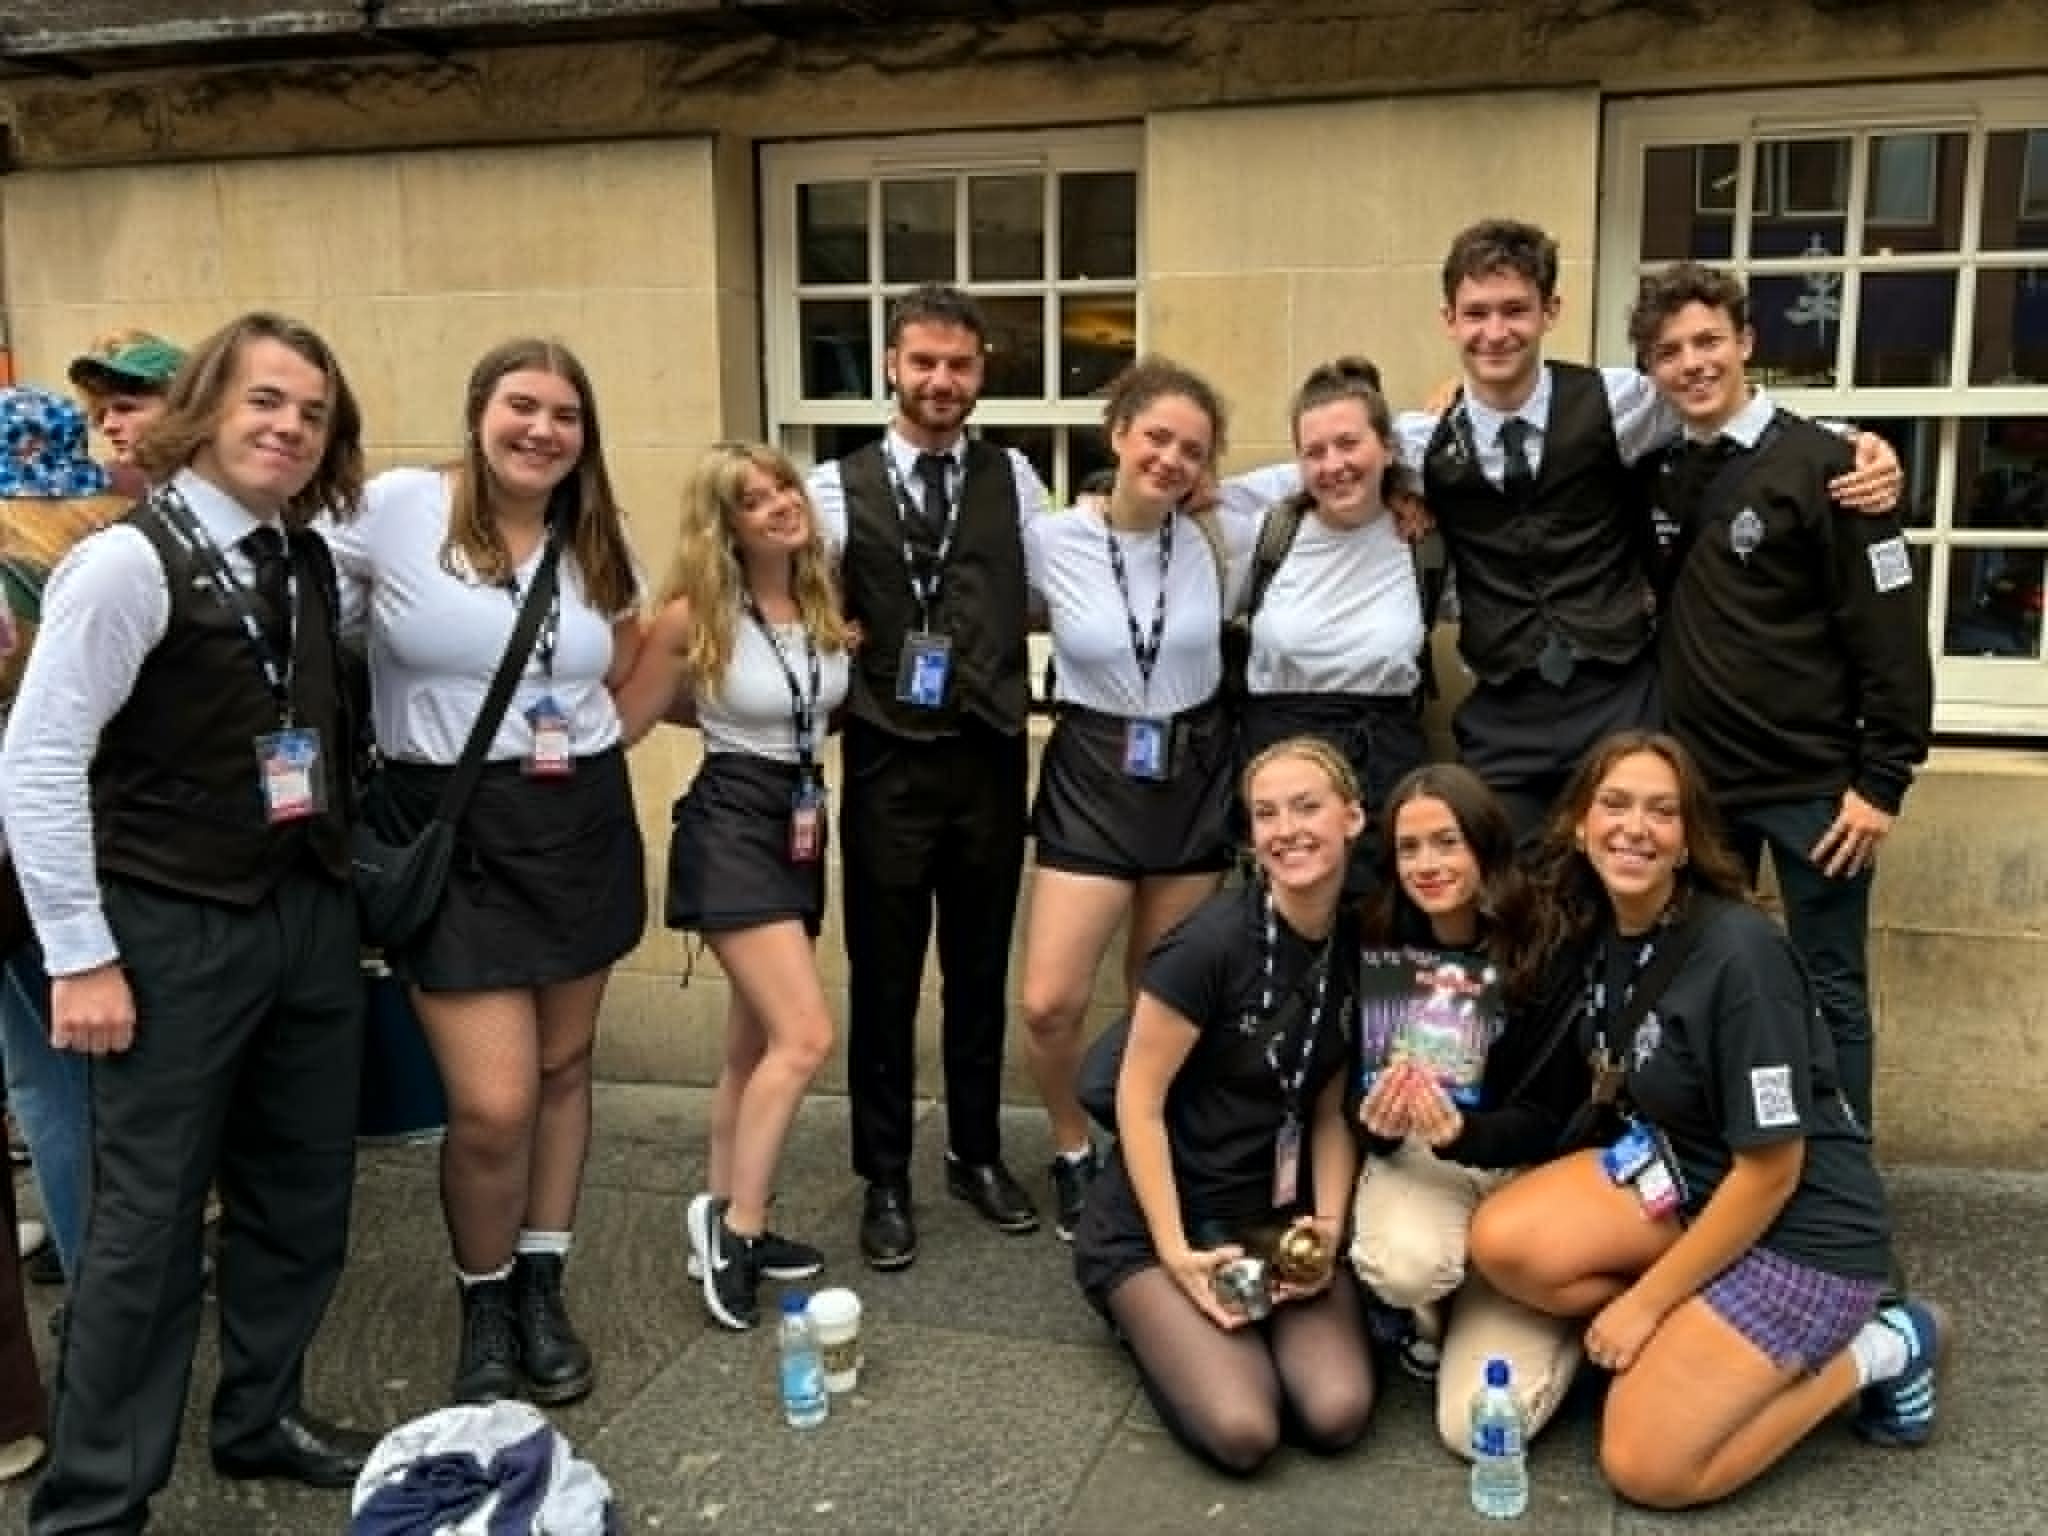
(1731,1245)
(1466,1013)
(750,625)
(1230,1114)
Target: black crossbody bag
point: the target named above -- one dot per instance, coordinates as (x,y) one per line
(399,881)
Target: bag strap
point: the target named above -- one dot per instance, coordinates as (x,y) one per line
(470,766)
(1205,523)
(1671,953)
(1277,532)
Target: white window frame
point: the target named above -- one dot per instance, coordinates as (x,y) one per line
(785,166)
(2004,696)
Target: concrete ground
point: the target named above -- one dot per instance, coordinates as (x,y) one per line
(994,1402)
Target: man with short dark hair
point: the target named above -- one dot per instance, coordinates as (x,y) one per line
(1794,648)
(175,790)
(935,761)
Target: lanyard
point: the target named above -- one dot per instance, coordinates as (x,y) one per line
(1607,991)
(803,709)
(1269,950)
(1145,648)
(234,596)
(925,578)
(550,624)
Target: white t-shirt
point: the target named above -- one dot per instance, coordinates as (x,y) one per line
(752,711)
(436,639)
(1342,615)
(1067,567)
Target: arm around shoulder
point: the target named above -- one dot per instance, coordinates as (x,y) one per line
(652,691)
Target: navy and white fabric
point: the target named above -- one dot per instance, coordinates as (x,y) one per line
(480,1469)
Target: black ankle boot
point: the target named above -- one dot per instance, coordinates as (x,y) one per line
(487,1367)
(557,1365)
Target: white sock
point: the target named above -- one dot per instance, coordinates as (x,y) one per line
(1880,1353)
(556,1243)
(468,1280)
(1081,1154)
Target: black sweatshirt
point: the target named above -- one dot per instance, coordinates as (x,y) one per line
(1794,652)
(1535,1079)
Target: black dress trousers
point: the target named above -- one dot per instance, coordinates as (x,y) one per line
(928,828)
(244,1069)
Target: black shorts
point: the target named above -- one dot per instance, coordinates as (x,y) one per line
(1092,818)
(728,857)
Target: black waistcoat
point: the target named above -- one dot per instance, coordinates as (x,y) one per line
(1571,561)
(175,797)
(980,604)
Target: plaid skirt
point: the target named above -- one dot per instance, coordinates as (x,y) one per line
(1799,1316)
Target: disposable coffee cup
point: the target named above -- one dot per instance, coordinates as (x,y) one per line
(835,1313)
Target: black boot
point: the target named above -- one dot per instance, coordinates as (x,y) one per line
(557,1365)
(487,1368)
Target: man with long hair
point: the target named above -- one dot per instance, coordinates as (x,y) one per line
(176,802)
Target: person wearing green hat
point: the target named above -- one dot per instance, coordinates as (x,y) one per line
(121,379)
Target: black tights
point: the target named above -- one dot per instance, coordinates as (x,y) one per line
(1230,1396)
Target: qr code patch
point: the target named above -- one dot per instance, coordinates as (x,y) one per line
(1770,1095)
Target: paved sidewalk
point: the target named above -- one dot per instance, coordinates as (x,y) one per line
(993,1401)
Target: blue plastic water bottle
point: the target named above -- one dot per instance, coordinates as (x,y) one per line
(1500,1471)
(805,1403)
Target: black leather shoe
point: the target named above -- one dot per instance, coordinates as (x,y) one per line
(556,1362)
(888,1234)
(302,1449)
(989,1188)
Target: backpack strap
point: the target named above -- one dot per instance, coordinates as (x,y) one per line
(1277,532)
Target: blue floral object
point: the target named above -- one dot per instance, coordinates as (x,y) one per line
(43,447)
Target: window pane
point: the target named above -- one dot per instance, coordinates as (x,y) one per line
(2011,341)
(838,442)
(1088,455)
(1805,184)
(2002,473)
(1905,323)
(836,353)
(832,232)
(1798,321)
(1689,202)
(917,231)
(2016,192)
(1016,349)
(1006,224)
(1035,443)
(1994,602)
(1099,225)
(1916,193)
(1098,336)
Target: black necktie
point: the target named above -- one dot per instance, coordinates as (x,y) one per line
(1517,478)
(931,474)
(271,560)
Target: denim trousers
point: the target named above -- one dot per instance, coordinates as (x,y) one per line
(49,1093)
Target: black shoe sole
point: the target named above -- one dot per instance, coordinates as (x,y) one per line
(1015,1226)
(486,1392)
(554,1394)
(888,1263)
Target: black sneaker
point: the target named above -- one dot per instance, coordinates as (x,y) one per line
(1071,1177)
(487,1366)
(44,1268)
(730,1269)
(775,1256)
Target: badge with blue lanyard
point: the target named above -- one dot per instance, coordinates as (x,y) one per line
(1148,739)
(291,771)
(925,665)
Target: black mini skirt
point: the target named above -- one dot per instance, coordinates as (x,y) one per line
(728,855)
(1092,818)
